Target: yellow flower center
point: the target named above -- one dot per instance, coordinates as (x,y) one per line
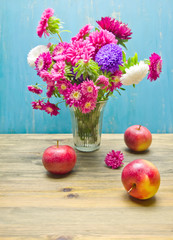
(63,87)
(89,89)
(116,79)
(76,95)
(39,107)
(49,109)
(87,104)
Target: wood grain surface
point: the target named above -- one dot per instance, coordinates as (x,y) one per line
(90,202)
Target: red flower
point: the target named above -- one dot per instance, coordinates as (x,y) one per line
(119,29)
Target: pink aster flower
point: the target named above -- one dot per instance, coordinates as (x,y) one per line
(89,89)
(59,52)
(43,62)
(74,96)
(82,33)
(35,89)
(102,81)
(155,67)
(114,159)
(43,24)
(47,77)
(38,105)
(79,50)
(116,83)
(51,108)
(100,38)
(58,70)
(88,104)
(119,29)
(63,86)
(50,90)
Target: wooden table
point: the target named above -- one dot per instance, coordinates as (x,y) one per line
(90,202)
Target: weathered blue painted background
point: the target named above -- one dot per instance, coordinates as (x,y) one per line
(150,104)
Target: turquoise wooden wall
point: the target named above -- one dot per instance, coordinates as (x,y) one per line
(149,104)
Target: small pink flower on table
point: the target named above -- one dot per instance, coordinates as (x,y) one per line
(114,159)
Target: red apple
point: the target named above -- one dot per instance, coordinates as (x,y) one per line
(59,159)
(141,179)
(137,138)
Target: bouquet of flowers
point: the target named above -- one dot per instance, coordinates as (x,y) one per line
(90,68)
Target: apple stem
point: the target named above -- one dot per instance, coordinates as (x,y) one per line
(139,127)
(57,143)
(133,186)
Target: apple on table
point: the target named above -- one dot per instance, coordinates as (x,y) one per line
(59,159)
(141,179)
(138,138)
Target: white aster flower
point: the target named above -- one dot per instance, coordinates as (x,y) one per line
(135,74)
(34,53)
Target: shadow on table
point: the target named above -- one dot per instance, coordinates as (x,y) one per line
(59,176)
(137,153)
(145,203)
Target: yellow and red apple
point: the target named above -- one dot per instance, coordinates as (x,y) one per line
(138,138)
(141,179)
(59,159)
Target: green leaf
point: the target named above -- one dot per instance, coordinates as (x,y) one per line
(134,85)
(124,56)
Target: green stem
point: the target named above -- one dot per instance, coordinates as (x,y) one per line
(59,37)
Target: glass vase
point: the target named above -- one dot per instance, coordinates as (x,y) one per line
(87,128)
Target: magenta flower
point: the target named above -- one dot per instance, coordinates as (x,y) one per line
(155,67)
(47,77)
(102,81)
(43,62)
(73,96)
(100,38)
(38,105)
(116,83)
(59,52)
(82,33)
(119,29)
(114,159)
(79,50)
(63,86)
(58,70)
(50,90)
(35,89)
(51,108)
(43,24)
(88,104)
(89,89)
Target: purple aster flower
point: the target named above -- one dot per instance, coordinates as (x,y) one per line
(109,57)
(114,159)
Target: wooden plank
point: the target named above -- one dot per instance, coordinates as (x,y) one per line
(90,202)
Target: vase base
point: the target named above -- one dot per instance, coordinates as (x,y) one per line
(87,149)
